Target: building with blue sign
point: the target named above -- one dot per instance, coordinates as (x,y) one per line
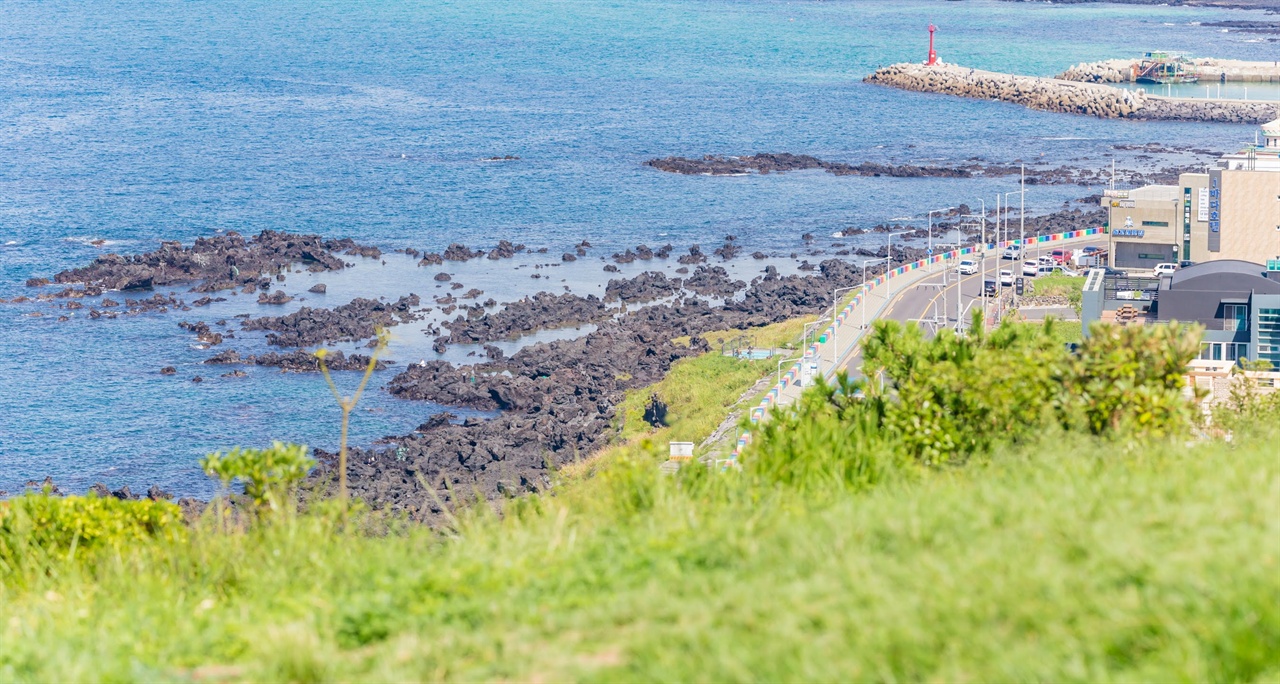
(1231,212)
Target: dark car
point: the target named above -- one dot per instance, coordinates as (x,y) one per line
(989,288)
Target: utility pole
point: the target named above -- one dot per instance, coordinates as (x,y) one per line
(1022,219)
(1022,207)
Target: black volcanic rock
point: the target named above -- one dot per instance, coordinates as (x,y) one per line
(350,322)
(221,262)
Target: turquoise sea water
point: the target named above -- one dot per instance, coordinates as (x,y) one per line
(137,121)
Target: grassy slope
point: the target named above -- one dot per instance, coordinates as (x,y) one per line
(1088,565)
(1069,562)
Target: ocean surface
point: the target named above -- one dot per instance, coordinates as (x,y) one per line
(132,122)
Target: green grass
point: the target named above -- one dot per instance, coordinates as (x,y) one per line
(1063,331)
(1059,286)
(1067,559)
(1061,564)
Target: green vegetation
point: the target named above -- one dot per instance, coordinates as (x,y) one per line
(1059,286)
(35,526)
(268,474)
(1062,332)
(700,391)
(1095,542)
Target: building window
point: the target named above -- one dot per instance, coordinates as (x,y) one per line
(1235,316)
(1211,351)
(1269,335)
(1162,224)
(1237,351)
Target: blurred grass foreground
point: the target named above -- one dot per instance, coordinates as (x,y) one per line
(1001,510)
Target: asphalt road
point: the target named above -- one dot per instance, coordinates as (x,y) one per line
(936,301)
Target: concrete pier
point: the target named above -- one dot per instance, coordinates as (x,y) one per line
(1069,97)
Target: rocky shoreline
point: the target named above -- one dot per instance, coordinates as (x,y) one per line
(1067,97)
(220,263)
(555,402)
(782,162)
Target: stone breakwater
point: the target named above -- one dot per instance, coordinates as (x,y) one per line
(1208,69)
(1067,97)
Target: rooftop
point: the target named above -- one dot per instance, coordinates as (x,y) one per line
(1156,193)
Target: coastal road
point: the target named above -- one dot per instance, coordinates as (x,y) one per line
(944,298)
(910,297)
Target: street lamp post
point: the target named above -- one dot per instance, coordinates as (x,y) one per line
(1006,214)
(889,256)
(983,256)
(931,213)
(864,284)
(807,326)
(835,331)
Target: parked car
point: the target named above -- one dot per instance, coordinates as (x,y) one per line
(967,267)
(1184,263)
(1012,252)
(1063,270)
(1060,256)
(1006,278)
(1164,269)
(1046,260)
(1091,250)
(1029,268)
(989,288)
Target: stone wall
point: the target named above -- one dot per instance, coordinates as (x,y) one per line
(1110,71)
(1068,97)
(1220,111)
(1208,69)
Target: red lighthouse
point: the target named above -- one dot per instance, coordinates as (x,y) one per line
(933,56)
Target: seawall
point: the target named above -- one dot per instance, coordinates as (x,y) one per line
(1208,69)
(1068,97)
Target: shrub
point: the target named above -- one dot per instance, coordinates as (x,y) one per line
(952,397)
(268,474)
(830,437)
(54,523)
(1128,380)
(958,395)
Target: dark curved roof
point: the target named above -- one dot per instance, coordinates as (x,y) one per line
(1225,274)
(1235,266)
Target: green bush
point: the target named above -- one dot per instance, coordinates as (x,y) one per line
(53,523)
(952,397)
(1128,380)
(829,437)
(268,474)
(959,395)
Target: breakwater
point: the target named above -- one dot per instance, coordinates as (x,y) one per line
(1068,97)
(1208,69)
